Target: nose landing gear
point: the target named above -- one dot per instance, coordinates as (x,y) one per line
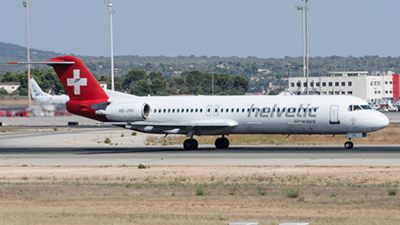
(348,144)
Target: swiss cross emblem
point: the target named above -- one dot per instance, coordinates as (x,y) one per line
(77,82)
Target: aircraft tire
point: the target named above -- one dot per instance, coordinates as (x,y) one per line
(195,144)
(221,143)
(226,143)
(348,145)
(190,144)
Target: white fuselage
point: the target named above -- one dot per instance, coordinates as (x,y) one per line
(56,100)
(256,114)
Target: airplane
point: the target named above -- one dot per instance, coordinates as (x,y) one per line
(43,98)
(215,115)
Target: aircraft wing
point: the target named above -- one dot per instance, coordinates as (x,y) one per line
(185,126)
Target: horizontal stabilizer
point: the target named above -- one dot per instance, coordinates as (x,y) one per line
(50,63)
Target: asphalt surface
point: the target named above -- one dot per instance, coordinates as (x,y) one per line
(40,144)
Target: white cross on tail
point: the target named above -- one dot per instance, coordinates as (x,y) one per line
(77,82)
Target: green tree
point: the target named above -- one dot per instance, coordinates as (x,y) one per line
(158,86)
(132,78)
(155,75)
(142,88)
(241,84)
(3,91)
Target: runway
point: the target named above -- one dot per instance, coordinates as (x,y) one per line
(204,156)
(79,146)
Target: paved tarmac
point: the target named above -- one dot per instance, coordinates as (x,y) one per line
(40,144)
(205,155)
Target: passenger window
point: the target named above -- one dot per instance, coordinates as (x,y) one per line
(164,110)
(173,110)
(187,110)
(195,110)
(222,110)
(159,110)
(208,110)
(227,110)
(232,110)
(237,110)
(155,110)
(169,110)
(191,110)
(242,110)
(201,110)
(177,110)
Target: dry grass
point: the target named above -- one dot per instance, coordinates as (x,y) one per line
(389,135)
(198,195)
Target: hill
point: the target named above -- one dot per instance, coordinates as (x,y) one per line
(261,71)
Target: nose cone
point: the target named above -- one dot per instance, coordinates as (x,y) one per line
(380,121)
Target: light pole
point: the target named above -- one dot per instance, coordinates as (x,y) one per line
(25,3)
(308,70)
(109,6)
(212,85)
(302,29)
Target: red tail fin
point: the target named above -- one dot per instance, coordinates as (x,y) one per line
(82,88)
(77,80)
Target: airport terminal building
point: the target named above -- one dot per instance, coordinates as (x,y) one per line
(375,87)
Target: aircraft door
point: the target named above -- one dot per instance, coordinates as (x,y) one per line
(334,115)
(216,110)
(209,110)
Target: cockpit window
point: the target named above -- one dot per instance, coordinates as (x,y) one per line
(366,107)
(358,107)
(350,108)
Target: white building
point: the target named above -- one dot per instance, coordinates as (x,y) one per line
(103,84)
(376,87)
(10,87)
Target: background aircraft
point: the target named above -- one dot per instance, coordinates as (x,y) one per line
(43,98)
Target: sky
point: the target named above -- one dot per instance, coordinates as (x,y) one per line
(260,28)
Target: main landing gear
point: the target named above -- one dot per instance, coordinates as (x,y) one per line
(348,144)
(221,143)
(192,144)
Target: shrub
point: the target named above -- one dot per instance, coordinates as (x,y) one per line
(134,133)
(392,191)
(107,141)
(141,166)
(200,190)
(291,191)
